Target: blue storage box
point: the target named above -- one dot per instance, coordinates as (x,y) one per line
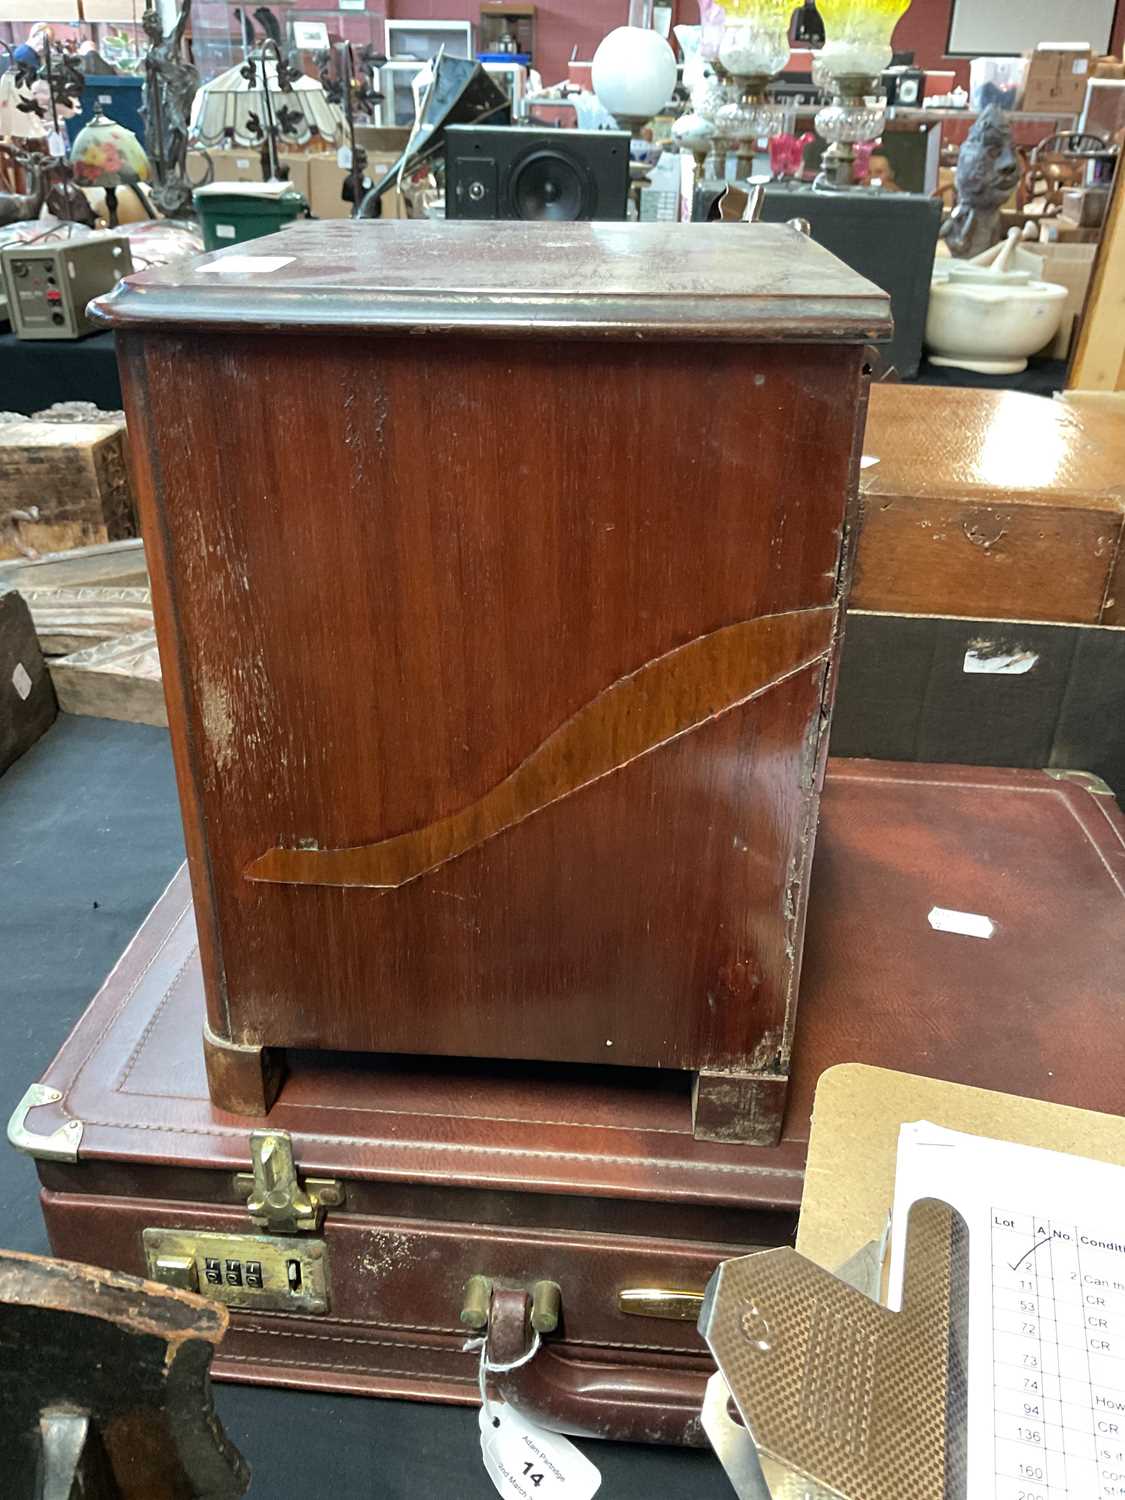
(118,95)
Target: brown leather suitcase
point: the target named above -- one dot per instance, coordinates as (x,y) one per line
(587,1178)
(479,758)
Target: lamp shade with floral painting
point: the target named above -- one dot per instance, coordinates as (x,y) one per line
(106,155)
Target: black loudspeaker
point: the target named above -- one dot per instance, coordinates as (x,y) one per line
(500,172)
(888,237)
(461,90)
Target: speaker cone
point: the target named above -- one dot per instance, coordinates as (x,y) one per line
(549,185)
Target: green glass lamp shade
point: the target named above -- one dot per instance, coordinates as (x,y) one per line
(107,155)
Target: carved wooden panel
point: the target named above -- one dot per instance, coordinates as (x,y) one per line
(117,678)
(70,619)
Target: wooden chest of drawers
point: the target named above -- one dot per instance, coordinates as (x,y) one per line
(498,573)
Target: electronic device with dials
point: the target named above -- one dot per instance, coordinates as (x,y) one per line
(49,285)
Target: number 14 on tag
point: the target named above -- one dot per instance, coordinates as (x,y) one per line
(525,1462)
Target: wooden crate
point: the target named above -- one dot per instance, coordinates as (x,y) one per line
(62,485)
(992,505)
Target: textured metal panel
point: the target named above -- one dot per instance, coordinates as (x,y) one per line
(842,1397)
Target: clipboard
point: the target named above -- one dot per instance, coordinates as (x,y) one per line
(822,1390)
(857,1112)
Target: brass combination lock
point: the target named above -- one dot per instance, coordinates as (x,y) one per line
(263,1271)
(282,1270)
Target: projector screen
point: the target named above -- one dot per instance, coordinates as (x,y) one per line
(1005,28)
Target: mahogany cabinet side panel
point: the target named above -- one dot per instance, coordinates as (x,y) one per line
(396,571)
(169,603)
(648,920)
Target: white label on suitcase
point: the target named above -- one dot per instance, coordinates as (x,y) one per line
(525,1462)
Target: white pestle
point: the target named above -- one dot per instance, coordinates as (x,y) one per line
(1000,264)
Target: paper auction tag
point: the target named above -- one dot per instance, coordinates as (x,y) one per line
(525,1462)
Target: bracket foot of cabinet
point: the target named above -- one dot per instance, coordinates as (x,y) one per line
(745,1107)
(242,1080)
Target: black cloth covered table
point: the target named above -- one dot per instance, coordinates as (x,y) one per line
(35,373)
(89,836)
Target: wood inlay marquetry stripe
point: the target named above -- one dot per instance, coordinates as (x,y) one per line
(662,700)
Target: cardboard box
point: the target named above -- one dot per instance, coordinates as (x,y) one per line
(1061,230)
(326,181)
(1104,110)
(104,11)
(1057,78)
(382,140)
(299,164)
(226,165)
(1070,266)
(241,165)
(39,10)
(1085,206)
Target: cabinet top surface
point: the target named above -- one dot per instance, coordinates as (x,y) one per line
(699,281)
(1003,447)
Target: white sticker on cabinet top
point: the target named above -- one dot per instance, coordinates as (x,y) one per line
(244,265)
(967,923)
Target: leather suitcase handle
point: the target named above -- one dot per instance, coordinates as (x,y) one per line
(588,1399)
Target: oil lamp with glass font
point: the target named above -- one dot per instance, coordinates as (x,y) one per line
(856,50)
(754,46)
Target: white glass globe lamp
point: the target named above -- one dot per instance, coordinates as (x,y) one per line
(634,73)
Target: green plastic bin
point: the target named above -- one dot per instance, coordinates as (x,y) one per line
(234,214)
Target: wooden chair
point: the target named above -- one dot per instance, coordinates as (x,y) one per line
(1056,163)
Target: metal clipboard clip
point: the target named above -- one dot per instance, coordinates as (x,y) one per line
(823,1394)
